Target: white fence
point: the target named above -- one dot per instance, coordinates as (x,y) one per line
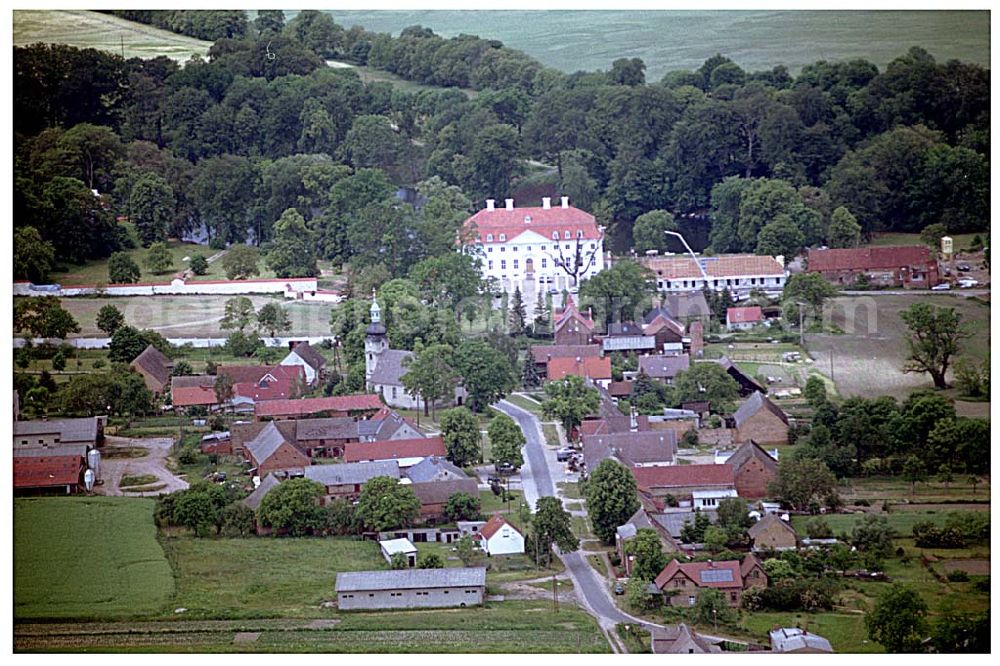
(100,343)
(296,288)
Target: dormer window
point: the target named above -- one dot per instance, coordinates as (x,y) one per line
(503,237)
(489,238)
(555,235)
(566,235)
(579,233)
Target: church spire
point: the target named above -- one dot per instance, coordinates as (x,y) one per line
(376,311)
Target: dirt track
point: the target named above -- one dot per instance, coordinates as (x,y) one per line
(155,464)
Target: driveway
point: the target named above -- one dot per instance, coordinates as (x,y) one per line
(154,463)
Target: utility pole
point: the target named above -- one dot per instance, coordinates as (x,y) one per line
(555,599)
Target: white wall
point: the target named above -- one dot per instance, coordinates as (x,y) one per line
(291,287)
(498,544)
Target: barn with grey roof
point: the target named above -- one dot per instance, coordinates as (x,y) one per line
(411,588)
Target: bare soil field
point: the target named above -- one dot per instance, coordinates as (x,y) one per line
(188,316)
(868,357)
(971,567)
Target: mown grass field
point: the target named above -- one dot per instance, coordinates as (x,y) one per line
(962,241)
(85,29)
(263,577)
(868,357)
(87,557)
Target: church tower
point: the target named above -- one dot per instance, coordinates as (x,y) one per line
(375,341)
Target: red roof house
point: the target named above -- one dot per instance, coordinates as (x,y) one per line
(192,391)
(895,266)
(682,480)
(597,369)
(340,405)
(683,581)
(501,225)
(744,318)
(395,449)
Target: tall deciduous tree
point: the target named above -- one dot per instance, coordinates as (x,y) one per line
(385,504)
(273,318)
(158,259)
(550,525)
(570,400)
(935,337)
(110,319)
(151,208)
(620,293)
(802,481)
(43,317)
(460,432)
(897,622)
(844,230)
(239,314)
(430,376)
(293,251)
(506,440)
(486,373)
(611,498)
(647,550)
(648,230)
(34,257)
(122,269)
(293,506)
(241,262)
(706,381)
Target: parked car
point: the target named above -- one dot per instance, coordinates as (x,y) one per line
(967,283)
(619,589)
(965,268)
(944,286)
(504,468)
(565,453)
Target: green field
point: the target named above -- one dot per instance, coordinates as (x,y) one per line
(901,522)
(962,241)
(263,577)
(85,29)
(670,40)
(87,557)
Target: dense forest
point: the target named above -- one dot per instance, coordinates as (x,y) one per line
(770,162)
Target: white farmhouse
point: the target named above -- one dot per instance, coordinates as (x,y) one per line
(498,537)
(531,248)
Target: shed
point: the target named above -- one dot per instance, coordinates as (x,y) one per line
(411,588)
(393,546)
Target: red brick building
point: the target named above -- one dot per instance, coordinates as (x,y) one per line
(760,420)
(753,470)
(271,451)
(681,481)
(682,583)
(363,404)
(908,266)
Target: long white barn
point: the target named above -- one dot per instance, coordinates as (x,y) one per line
(528,247)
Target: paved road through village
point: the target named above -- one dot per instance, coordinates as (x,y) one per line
(536,479)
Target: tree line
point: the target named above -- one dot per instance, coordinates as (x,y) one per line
(230,143)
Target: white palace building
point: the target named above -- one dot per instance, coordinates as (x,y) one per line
(527,248)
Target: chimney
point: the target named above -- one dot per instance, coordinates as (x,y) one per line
(546,203)
(509,203)
(710,564)
(490,205)
(565,202)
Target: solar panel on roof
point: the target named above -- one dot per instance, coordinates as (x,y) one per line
(717,576)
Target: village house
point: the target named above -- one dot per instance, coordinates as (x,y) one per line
(681,583)
(307,358)
(909,266)
(443,534)
(754,469)
(48,433)
(406,452)
(702,500)
(403,546)
(155,368)
(499,537)
(434,496)
(772,533)
(542,354)
(760,420)
(254,499)
(679,639)
(664,368)
(386,424)
(253,384)
(193,391)
(217,443)
(739,273)
(625,337)
(668,335)
(361,405)
(680,481)
(745,318)
(411,588)
(598,370)
(325,437)
(632,449)
(571,327)
(434,468)
(526,248)
(798,641)
(686,307)
(271,451)
(345,481)
(641,519)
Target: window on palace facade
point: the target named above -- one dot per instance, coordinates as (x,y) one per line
(503,237)
(489,238)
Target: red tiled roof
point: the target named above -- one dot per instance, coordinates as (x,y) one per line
(541,353)
(543,221)
(394,449)
(588,366)
(593,427)
(282,386)
(48,471)
(745,315)
(724,266)
(304,407)
(696,572)
(868,258)
(620,389)
(493,526)
(188,396)
(683,475)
